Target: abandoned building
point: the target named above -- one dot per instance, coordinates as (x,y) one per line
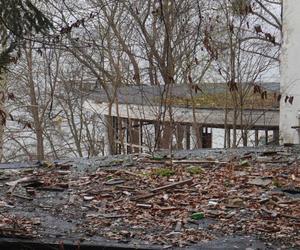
(153,117)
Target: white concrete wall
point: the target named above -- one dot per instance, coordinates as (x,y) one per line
(290,71)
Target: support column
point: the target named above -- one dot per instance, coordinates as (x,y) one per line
(141,136)
(276,136)
(207,138)
(188,137)
(228,139)
(179,136)
(166,142)
(119,135)
(135,136)
(256,137)
(109,139)
(157,136)
(245,137)
(267,136)
(197,135)
(127,136)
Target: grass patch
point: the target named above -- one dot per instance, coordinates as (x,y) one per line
(164,172)
(195,170)
(277,183)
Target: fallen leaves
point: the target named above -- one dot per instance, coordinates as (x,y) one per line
(249,194)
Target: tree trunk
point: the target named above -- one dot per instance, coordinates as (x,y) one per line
(38,127)
(3,84)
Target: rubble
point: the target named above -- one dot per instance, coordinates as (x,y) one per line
(195,200)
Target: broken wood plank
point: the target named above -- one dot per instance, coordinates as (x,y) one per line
(4,178)
(142,197)
(51,188)
(129,173)
(198,162)
(109,216)
(155,161)
(178,226)
(290,217)
(22,197)
(125,187)
(188,181)
(289,201)
(167,208)
(144,205)
(14,184)
(114,182)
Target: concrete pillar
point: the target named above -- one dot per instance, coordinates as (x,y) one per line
(290,73)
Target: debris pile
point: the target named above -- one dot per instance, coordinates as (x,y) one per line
(160,201)
(13,226)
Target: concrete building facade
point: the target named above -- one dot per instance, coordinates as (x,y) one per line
(290,73)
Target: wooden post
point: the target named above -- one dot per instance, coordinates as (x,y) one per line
(141,136)
(120,135)
(187,137)
(179,136)
(135,136)
(245,137)
(206,138)
(109,134)
(115,135)
(128,136)
(198,135)
(228,139)
(267,136)
(276,136)
(157,137)
(167,134)
(256,137)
